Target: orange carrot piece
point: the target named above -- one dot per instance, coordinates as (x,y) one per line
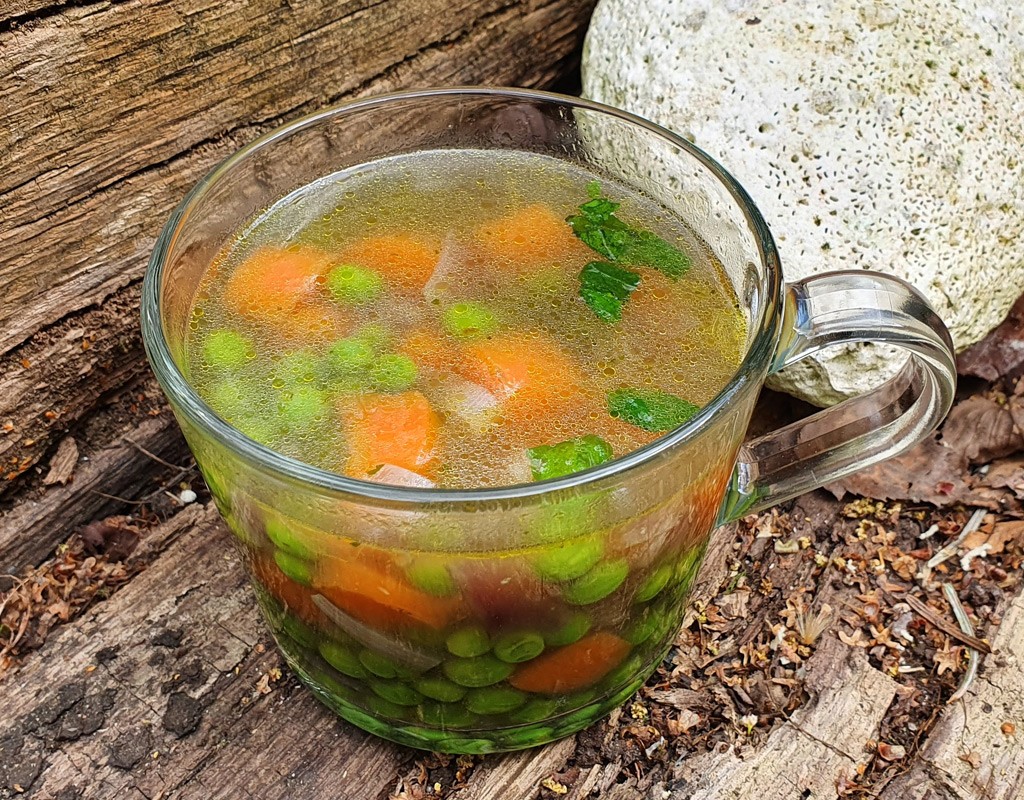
(405,261)
(273,282)
(573,667)
(530,237)
(429,349)
(381,599)
(296,598)
(399,429)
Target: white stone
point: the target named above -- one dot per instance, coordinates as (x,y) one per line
(874,135)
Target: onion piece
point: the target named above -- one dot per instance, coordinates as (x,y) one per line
(470,403)
(453,259)
(395,649)
(399,476)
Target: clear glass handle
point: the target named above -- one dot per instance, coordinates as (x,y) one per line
(838,308)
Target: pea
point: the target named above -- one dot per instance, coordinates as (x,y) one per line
(393,372)
(518,646)
(285,538)
(494,700)
(445,715)
(227,348)
(342,659)
(295,369)
(597,584)
(386,708)
(468,642)
(468,321)
(477,672)
(397,693)
(527,737)
(381,666)
(422,737)
(688,568)
(298,569)
(468,746)
(228,399)
(376,335)
(538,709)
(302,406)
(350,358)
(352,285)
(577,720)
(655,582)
(627,672)
(256,427)
(564,519)
(301,633)
(572,630)
(432,576)
(643,628)
(438,688)
(568,561)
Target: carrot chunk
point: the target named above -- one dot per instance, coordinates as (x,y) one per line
(405,261)
(530,237)
(573,667)
(379,598)
(273,282)
(398,429)
(295,598)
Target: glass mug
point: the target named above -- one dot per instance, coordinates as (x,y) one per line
(473,621)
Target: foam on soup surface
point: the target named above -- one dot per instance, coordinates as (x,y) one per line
(462,319)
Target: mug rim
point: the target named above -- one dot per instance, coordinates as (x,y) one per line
(185,399)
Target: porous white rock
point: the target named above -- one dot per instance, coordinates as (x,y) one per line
(874,135)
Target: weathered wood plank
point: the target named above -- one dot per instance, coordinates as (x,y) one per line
(975,751)
(809,754)
(113,110)
(104,170)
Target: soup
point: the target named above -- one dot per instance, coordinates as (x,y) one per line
(459,320)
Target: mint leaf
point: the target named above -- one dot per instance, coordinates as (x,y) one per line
(646,249)
(565,458)
(597,226)
(605,287)
(650,409)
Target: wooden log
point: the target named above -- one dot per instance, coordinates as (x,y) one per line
(113,110)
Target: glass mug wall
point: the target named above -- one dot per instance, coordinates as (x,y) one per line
(495,619)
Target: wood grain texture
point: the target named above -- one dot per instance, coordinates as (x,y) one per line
(113,110)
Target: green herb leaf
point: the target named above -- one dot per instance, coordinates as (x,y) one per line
(565,458)
(597,226)
(645,249)
(605,287)
(650,409)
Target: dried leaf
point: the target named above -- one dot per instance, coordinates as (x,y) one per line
(929,472)
(1001,353)
(982,429)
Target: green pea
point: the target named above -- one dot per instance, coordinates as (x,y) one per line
(226,348)
(301,633)
(294,369)
(256,427)
(386,708)
(689,566)
(578,719)
(517,647)
(426,738)
(538,709)
(381,666)
(432,576)
(298,569)
(468,746)
(302,406)
(228,399)
(445,715)
(468,321)
(643,628)
(394,372)
(655,582)
(629,671)
(597,584)
(565,519)
(438,688)
(568,561)
(397,693)
(342,659)
(468,642)
(477,672)
(527,737)
(494,700)
(572,630)
(350,358)
(376,335)
(352,285)
(284,538)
